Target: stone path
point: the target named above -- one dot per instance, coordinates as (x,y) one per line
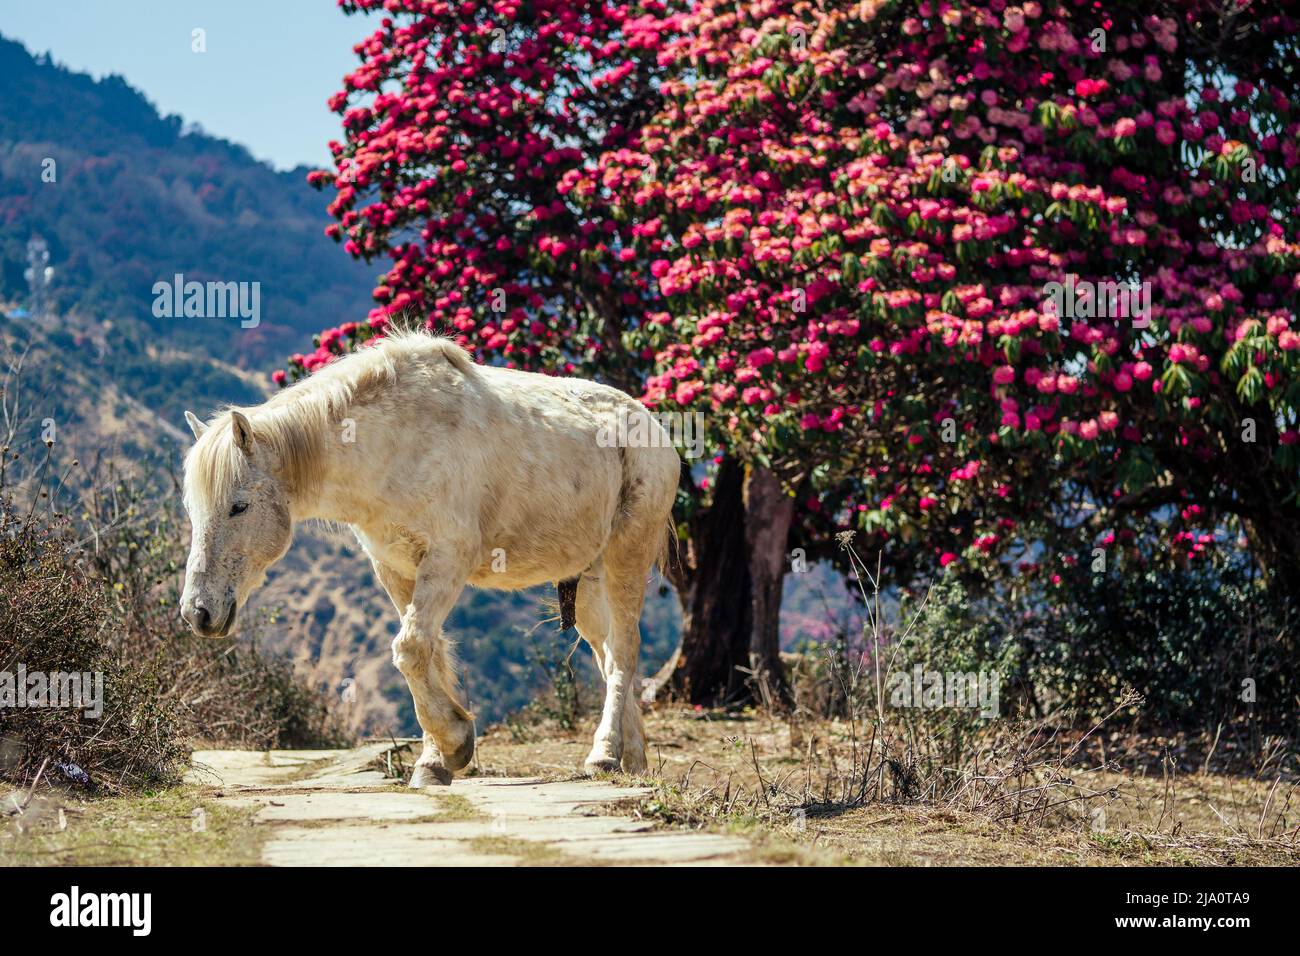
(343,808)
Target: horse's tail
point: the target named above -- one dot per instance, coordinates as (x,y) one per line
(567,592)
(669,561)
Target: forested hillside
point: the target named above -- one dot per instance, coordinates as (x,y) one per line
(133,198)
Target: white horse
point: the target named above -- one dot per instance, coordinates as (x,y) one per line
(450,473)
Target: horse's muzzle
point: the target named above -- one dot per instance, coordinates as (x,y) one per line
(203,624)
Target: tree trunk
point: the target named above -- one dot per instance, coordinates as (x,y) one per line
(1276,544)
(713,587)
(769,512)
(1269,515)
(730,594)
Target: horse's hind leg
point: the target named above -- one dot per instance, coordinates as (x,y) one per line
(421,654)
(592,614)
(620,737)
(594,620)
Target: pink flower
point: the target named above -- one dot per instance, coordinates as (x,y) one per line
(687,392)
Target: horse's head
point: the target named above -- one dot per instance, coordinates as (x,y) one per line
(239,517)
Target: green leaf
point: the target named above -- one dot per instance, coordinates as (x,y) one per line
(1175,381)
(1250,387)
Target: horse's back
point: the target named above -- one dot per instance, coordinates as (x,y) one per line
(543,468)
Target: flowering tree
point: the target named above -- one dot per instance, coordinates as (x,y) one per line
(897,240)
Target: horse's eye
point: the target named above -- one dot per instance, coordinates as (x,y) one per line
(238,509)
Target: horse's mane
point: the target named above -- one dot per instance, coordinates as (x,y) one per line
(293,423)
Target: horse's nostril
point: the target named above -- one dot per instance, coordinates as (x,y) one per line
(202,619)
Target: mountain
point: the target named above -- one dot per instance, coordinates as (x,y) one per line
(125,199)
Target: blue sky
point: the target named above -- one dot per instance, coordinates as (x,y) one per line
(269,66)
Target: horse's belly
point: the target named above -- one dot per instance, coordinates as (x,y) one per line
(552,518)
(514,579)
(523,560)
(534,546)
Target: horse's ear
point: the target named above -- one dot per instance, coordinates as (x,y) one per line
(196,426)
(243,430)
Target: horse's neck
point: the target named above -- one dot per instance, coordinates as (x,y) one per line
(345,473)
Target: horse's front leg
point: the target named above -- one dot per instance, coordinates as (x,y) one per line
(422,655)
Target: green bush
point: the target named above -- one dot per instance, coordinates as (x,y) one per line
(1205,647)
(944,634)
(1190,641)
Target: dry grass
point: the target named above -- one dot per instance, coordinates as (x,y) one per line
(755,774)
(97,596)
(56,618)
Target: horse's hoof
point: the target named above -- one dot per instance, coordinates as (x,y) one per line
(459,758)
(430,775)
(594,765)
(634,765)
